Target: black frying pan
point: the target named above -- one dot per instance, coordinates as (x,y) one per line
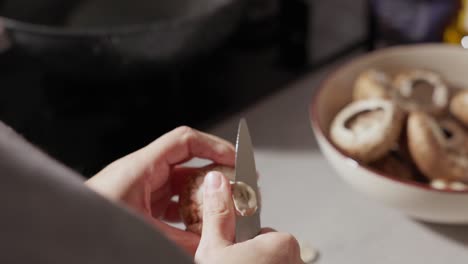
(91,34)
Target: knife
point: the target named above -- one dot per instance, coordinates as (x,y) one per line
(247,227)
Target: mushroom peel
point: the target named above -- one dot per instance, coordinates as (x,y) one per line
(434,152)
(245,200)
(367,129)
(459,107)
(410,97)
(372,83)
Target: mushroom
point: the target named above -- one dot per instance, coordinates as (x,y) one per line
(439,151)
(441,184)
(372,83)
(394,165)
(244,197)
(309,254)
(411,92)
(459,107)
(455,135)
(367,129)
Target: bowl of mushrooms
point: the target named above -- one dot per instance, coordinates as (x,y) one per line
(394,125)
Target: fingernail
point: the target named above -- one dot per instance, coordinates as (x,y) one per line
(213,180)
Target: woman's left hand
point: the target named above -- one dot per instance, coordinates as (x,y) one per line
(147,179)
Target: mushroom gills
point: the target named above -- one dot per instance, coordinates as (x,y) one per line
(421,90)
(455,136)
(447,133)
(420,93)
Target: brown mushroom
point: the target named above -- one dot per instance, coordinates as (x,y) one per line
(455,135)
(459,107)
(421,90)
(436,150)
(367,129)
(394,165)
(372,83)
(246,201)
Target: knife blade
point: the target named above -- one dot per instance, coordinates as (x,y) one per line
(247,227)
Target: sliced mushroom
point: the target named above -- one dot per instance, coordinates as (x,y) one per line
(245,200)
(367,129)
(421,90)
(434,151)
(372,83)
(459,107)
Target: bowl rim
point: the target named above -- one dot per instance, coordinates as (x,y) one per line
(318,129)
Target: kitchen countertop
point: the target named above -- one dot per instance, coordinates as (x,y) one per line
(304,196)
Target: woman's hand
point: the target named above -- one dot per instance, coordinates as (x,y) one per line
(147,179)
(218,233)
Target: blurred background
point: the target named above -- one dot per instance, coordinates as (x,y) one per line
(90,81)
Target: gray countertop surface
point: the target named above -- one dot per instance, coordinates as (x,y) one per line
(304,196)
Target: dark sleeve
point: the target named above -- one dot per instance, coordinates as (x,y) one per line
(47,215)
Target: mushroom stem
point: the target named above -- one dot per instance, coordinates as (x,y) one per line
(245,198)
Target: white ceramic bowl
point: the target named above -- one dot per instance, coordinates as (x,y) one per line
(416,200)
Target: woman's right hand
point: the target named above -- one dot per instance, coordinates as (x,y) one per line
(217,240)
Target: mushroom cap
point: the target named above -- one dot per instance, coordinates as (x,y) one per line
(372,83)
(367,129)
(245,200)
(407,98)
(191,196)
(434,153)
(459,107)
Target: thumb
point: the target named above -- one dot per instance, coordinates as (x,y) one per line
(218,212)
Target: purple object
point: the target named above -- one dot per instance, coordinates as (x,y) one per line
(413,21)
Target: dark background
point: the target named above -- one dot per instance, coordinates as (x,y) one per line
(87,121)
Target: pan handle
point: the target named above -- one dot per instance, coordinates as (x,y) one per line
(5,40)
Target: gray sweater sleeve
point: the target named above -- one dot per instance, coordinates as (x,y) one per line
(47,215)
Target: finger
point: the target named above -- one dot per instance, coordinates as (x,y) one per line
(160,200)
(284,245)
(172,213)
(184,143)
(218,213)
(186,240)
